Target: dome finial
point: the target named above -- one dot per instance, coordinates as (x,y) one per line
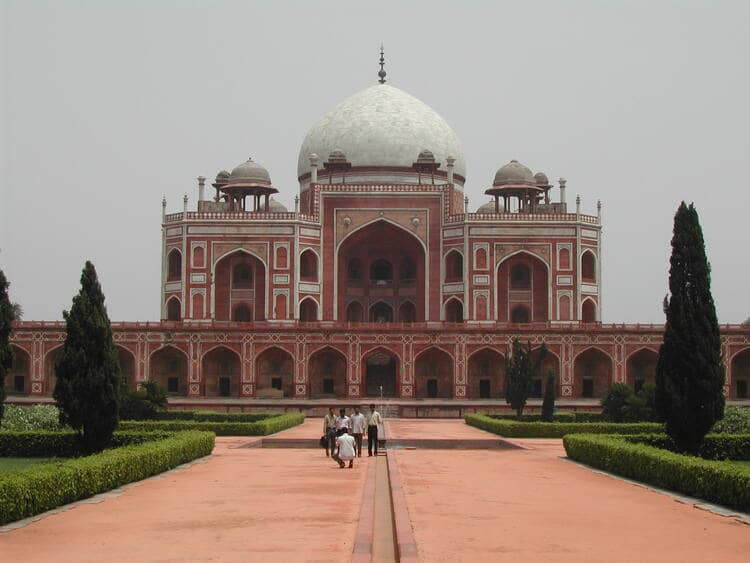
(381,74)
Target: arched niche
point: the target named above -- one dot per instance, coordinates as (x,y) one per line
(486,375)
(222,371)
(433,374)
(169,369)
(239,277)
(523,280)
(326,374)
(274,369)
(592,374)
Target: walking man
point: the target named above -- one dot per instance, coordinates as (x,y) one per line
(359,424)
(345,444)
(329,431)
(373,420)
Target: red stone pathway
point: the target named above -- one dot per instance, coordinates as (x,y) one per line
(530,505)
(240,505)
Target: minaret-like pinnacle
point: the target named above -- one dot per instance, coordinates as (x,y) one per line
(381,74)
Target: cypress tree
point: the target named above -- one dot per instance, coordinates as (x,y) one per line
(548,404)
(689,372)
(89,381)
(6,352)
(520,371)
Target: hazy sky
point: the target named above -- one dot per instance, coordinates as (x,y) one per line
(106,106)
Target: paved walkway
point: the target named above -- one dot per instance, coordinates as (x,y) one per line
(531,505)
(241,504)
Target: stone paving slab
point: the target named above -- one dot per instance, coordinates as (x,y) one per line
(241,504)
(531,505)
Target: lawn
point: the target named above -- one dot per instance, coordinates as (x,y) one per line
(14,464)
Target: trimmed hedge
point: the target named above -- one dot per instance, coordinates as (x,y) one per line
(261,428)
(715,481)
(516,429)
(62,443)
(715,446)
(48,486)
(561,416)
(209,416)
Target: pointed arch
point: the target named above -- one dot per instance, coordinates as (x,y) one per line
(550,363)
(454,266)
(485,374)
(740,374)
(381,369)
(592,373)
(381,312)
(433,374)
(309,265)
(454,310)
(537,297)
(50,374)
(174,265)
(126,359)
(308,310)
(588,311)
(221,369)
(168,366)
(174,309)
(640,368)
(407,312)
(242,313)
(224,295)
(588,267)
(327,373)
(18,376)
(274,369)
(355,313)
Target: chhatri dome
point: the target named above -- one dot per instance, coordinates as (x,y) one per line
(382,127)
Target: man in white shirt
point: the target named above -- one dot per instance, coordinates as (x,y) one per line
(359,425)
(342,421)
(329,430)
(346,449)
(373,421)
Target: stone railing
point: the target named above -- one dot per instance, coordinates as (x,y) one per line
(237,216)
(523,217)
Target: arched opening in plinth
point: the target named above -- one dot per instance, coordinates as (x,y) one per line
(127,366)
(50,373)
(381,262)
(486,375)
(169,369)
(240,281)
(741,375)
(274,369)
(326,374)
(592,374)
(522,289)
(433,375)
(221,369)
(640,369)
(18,376)
(381,374)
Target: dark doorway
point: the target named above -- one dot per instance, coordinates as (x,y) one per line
(276,383)
(224,386)
(588,388)
(381,373)
(432,388)
(484,389)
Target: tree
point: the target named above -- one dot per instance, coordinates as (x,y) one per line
(89,381)
(613,405)
(6,352)
(17,311)
(548,404)
(520,371)
(689,372)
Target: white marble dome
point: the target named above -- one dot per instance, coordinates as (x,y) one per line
(382,126)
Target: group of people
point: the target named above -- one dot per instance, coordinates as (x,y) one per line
(343,434)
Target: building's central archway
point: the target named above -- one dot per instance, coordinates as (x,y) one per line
(381,374)
(382,264)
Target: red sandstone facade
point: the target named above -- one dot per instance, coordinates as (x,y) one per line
(380,282)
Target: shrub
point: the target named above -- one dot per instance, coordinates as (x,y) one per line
(715,446)
(736,421)
(713,481)
(260,428)
(641,406)
(145,403)
(63,443)
(519,429)
(32,417)
(47,486)
(613,404)
(209,416)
